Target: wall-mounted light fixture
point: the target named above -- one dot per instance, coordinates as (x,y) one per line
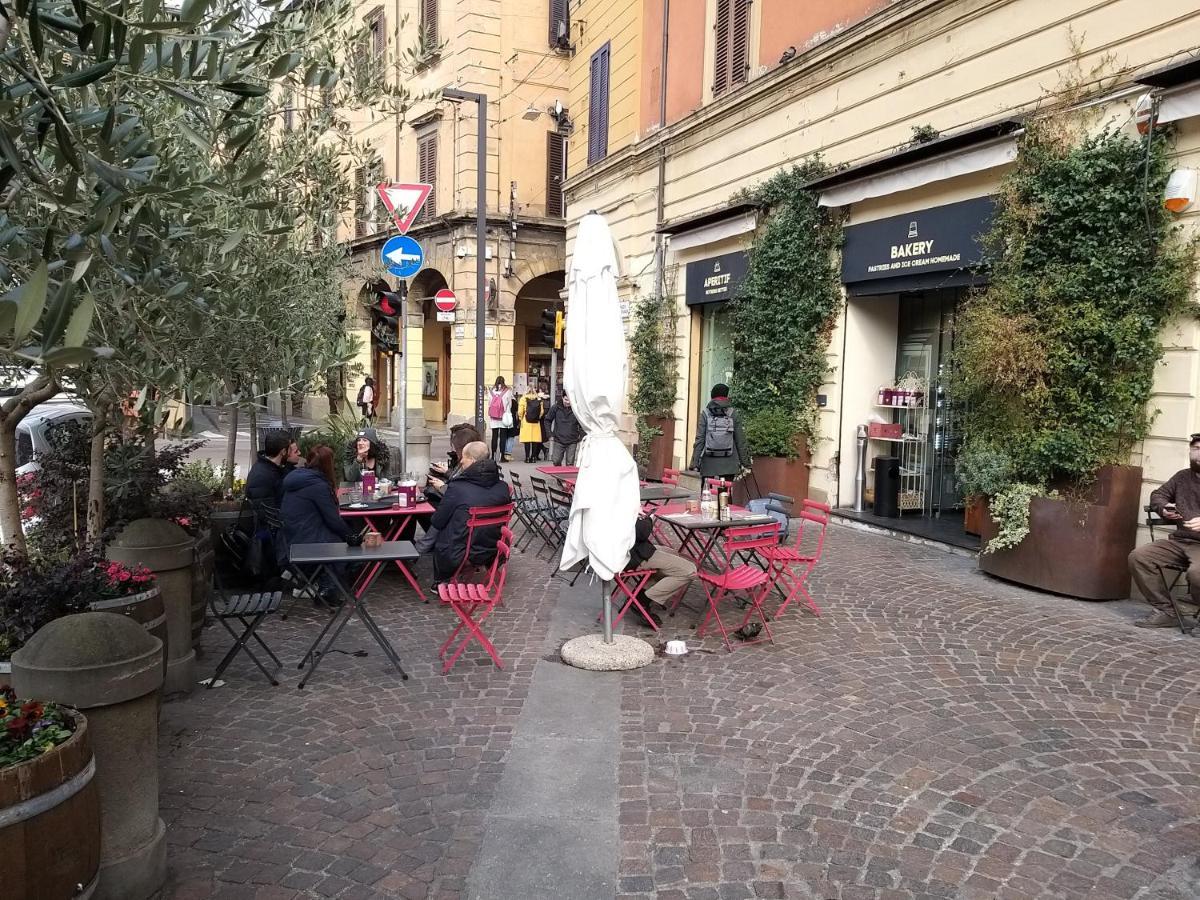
(1181,190)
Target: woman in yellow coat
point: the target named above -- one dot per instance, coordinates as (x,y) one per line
(530,411)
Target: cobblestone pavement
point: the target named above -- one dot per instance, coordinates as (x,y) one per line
(935,734)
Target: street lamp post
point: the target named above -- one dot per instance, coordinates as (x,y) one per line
(481,101)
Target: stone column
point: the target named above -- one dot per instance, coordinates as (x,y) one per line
(169,552)
(109,667)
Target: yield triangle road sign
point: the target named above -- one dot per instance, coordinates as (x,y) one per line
(404,202)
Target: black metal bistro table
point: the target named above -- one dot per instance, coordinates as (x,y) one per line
(663,493)
(331,557)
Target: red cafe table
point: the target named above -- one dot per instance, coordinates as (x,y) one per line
(389,520)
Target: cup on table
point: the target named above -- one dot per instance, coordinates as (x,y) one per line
(355,495)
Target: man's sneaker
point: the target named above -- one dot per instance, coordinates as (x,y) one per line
(1158,619)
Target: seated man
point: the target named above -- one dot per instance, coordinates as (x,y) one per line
(477,484)
(673,572)
(1176,501)
(279,455)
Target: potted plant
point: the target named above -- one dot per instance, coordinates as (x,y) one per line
(782,318)
(49,804)
(1055,358)
(37,590)
(654,355)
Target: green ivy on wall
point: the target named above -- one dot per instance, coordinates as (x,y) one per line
(654,355)
(785,312)
(1055,358)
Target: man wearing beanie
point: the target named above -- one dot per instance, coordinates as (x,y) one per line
(720,449)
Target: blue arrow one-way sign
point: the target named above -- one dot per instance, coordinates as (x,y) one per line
(402,256)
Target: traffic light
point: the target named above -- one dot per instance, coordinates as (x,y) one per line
(549,323)
(553,322)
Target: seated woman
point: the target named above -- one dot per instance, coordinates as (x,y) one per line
(366,454)
(309,510)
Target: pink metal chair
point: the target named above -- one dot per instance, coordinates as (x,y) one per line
(791,565)
(479,517)
(670,477)
(747,579)
(480,598)
(629,583)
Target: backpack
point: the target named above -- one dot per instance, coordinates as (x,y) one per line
(718,436)
(533,409)
(362,390)
(496,408)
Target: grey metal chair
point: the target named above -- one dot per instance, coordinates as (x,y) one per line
(250,608)
(1154,520)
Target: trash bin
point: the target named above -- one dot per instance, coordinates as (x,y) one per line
(887,486)
(273,426)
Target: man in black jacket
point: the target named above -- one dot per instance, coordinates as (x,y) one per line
(477,484)
(674,573)
(279,455)
(566,430)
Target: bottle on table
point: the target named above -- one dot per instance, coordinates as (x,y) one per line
(723,511)
(707,510)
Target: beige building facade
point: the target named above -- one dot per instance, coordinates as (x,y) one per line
(754,95)
(516,52)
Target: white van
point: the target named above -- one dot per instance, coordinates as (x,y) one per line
(33,430)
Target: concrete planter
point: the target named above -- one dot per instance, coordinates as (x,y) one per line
(1078,548)
(111,668)
(50,822)
(5,673)
(169,552)
(145,608)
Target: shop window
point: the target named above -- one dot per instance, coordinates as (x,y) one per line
(598,106)
(731,45)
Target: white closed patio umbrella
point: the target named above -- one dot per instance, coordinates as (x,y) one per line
(606,500)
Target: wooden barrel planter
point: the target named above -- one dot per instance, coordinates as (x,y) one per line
(50,823)
(5,673)
(202,573)
(145,608)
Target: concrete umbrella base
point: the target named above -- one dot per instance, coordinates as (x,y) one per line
(590,652)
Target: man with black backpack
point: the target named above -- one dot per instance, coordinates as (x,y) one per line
(720,449)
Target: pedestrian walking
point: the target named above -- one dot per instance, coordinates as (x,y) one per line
(565,431)
(500,418)
(544,393)
(366,400)
(530,411)
(720,448)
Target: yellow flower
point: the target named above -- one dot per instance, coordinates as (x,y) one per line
(3,703)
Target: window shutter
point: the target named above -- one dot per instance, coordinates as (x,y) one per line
(559,23)
(556,146)
(739,42)
(429,22)
(379,34)
(427,173)
(598,106)
(360,197)
(721,48)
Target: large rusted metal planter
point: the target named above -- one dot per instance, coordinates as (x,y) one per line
(1079,547)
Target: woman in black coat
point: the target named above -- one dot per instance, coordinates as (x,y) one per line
(310,509)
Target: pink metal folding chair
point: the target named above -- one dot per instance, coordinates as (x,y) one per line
(670,477)
(791,565)
(480,598)
(747,579)
(479,517)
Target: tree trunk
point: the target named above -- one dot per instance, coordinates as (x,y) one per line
(334,390)
(297,404)
(11,413)
(253,433)
(95,496)
(231,448)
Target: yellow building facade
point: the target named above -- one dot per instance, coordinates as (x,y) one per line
(516,52)
(712,104)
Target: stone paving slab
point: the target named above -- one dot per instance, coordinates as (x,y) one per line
(934,734)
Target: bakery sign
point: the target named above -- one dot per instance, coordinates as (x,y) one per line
(937,239)
(716,279)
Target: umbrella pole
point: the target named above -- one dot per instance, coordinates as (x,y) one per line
(607,610)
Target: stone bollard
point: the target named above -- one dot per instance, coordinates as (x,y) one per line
(169,552)
(416,452)
(109,667)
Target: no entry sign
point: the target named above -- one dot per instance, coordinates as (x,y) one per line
(445,301)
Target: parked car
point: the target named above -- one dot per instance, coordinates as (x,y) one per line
(34,429)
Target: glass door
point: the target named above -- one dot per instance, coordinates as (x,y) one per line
(716,350)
